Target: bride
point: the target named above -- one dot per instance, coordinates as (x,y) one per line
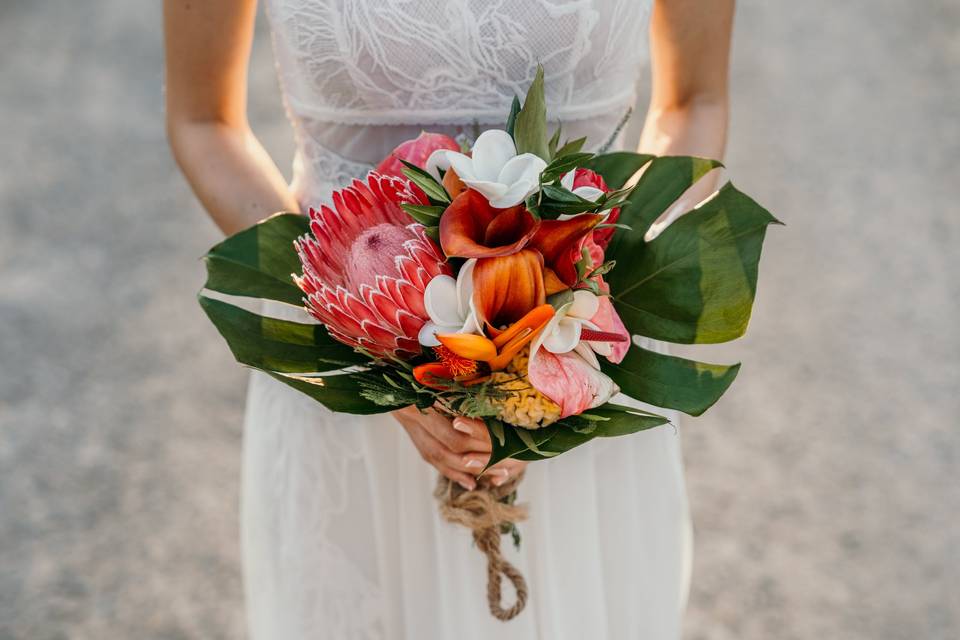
(341,536)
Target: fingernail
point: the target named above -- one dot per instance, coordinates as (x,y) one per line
(498,480)
(472,463)
(462,426)
(468,487)
(500,471)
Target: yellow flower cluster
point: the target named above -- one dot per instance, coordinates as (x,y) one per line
(519,403)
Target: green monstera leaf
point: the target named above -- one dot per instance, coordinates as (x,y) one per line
(258,262)
(696,282)
(669,381)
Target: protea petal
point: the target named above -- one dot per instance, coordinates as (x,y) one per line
(505,288)
(464,225)
(416,152)
(365,268)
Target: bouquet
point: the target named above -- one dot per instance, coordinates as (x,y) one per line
(501,282)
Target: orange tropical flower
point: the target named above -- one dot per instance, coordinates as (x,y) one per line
(471,228)
(506,288)
(560,243)
(499,351)
(432,375)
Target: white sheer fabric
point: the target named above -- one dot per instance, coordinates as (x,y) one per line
(341,535)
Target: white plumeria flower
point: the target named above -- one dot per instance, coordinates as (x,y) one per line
(562,333)
(449,304)
(495,169)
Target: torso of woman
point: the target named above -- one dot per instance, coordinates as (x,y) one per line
(341,535)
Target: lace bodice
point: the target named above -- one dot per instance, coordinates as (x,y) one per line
(360,76)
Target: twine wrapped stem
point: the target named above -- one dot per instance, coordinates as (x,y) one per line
(485,511)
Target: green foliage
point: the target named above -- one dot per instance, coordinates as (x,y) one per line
(605,421)
(275,344)
(570,147)
(512,118)
(562,164)
(618,167)
(663,181)
(386,387)
(258,262)
(669,381)
(428,215)
(337,392)
(530,129)
(695,283)
(435,191)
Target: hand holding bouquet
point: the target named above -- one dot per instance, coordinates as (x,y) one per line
(502,283)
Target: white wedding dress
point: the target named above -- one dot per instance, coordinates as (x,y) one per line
(341,535)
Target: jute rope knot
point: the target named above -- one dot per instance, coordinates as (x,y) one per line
(484,511)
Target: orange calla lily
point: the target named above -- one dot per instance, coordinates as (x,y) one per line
(471,228)
(505,288)
(505,346)
(452,183)
(559,242)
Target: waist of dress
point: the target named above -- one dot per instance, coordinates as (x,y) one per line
(614,104)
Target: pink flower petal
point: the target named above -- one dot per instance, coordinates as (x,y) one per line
(415,152)
(570,381)
(607,319)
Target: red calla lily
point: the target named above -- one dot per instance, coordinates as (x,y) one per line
(471,228)
(560,242)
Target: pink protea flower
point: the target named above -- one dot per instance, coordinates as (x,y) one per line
(365,267)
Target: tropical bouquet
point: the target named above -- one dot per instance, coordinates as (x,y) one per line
(503,281)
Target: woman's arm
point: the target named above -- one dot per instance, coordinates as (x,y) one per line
(207,50)
(208,46)
(689,102)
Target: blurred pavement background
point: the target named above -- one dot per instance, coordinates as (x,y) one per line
(824,486)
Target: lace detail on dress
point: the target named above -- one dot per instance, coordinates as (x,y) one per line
(318,171)
(454,61)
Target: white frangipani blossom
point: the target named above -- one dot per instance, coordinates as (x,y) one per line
(449,304)
(495,169)
(562,334)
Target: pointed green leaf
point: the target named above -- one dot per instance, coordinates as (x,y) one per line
(512,118)
(508,443)
(669,381)
(424,214)
(563,164)
(434,190)
(696,282)
(554,142)
(530,131)
(570,147)
(258,261)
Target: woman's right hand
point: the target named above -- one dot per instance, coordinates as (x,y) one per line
(459,449)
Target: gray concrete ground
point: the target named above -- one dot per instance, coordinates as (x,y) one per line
(824,486)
